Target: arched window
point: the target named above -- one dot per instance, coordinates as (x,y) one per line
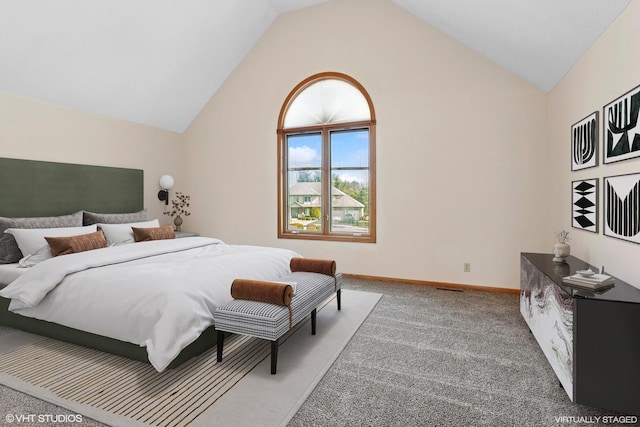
(326,161)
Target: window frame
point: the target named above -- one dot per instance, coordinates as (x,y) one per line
(326,179)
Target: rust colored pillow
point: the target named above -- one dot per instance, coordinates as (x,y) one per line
(256,290)
(155,233)
(75,244)
(322,266)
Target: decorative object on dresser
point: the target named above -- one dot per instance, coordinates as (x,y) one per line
(584,204)
(585,334)
(622,207)
(621,131)
(584,143)
(179,207)
(561,248)
(589,279)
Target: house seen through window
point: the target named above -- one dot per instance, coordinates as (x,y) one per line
(326,161)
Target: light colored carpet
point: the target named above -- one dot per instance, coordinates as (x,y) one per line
(239,391)
(431,357)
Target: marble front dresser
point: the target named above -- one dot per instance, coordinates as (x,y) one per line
(591,339)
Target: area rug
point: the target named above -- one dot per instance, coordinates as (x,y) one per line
(238,391)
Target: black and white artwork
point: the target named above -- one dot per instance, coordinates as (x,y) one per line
(621,127)
(584,204)
(622,207)
(584,143)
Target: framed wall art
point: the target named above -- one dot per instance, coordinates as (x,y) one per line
(622,207)
(584,204)
(621,129)
(584,143)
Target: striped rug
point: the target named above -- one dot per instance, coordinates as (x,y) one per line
(237,392)
(134,389)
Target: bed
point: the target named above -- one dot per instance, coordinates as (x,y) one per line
(150,301)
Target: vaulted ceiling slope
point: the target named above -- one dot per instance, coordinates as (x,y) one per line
(158,62)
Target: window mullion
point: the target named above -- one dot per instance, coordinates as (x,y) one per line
(326,181)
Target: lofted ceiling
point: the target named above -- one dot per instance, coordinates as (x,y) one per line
(158,62)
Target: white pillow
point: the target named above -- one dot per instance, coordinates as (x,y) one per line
(33,245)
(119,234)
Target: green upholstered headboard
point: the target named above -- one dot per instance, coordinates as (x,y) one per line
(35,188)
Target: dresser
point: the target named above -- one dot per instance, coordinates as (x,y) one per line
(591,339)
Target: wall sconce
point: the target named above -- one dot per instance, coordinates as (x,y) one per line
(166,183)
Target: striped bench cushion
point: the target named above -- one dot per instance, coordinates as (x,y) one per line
(271,321)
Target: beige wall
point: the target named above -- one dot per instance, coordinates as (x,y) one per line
(460,146)
(35,130)
(609,69)
(473,163)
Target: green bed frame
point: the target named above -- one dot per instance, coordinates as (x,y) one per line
(31,188)
(35,188)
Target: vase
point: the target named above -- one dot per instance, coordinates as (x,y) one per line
(561,252)
(178,223)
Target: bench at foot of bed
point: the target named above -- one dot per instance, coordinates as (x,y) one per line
(271,321)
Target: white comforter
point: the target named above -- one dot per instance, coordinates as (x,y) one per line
(159,294)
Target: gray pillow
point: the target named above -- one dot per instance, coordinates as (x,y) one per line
(9,251)
(90,218)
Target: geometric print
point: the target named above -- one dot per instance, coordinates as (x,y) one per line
(622,127)
(585,205)
(584,143)
(622,207)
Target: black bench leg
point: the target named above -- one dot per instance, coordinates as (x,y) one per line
(220,341)
(274,356)
(338,295)
(313,322)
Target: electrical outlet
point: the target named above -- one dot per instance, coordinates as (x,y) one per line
(467,267)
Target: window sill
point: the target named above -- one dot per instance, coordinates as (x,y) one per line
(328,238)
